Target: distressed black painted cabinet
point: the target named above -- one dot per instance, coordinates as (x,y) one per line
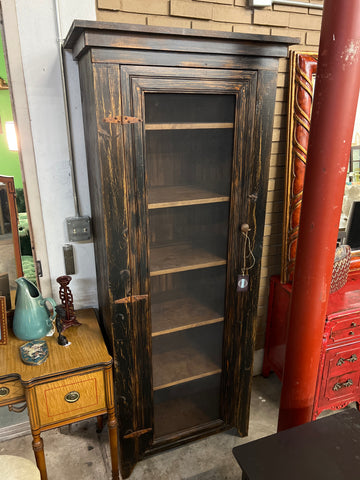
(178,127)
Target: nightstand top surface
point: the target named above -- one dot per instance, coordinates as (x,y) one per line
(86,349)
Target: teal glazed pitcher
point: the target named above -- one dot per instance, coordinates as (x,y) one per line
(32,319)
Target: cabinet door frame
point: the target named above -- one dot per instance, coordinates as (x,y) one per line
(240,308)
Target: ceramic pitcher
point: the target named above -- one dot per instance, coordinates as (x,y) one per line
(32,319)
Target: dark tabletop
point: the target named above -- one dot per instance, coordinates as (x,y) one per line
(326,449)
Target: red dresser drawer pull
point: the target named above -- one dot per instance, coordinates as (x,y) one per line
(338,386)
(352,359)
(353,324)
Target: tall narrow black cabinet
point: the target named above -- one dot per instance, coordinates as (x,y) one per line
(178,128)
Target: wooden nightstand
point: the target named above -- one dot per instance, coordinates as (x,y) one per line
(74,383)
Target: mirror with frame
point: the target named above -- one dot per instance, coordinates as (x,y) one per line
(303,67)
(10,254)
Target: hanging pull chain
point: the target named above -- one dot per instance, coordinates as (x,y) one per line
(248,260)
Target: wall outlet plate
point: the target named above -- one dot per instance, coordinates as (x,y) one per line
(78,228)
(260,3)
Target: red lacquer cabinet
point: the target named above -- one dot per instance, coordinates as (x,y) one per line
(338,381)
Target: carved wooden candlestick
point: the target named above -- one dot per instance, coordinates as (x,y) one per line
(67,301)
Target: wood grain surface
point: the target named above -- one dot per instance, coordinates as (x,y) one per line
(176,196)
(180,258)
(120,67)
(176,311)
(53,406)
(61,359)
(187,126)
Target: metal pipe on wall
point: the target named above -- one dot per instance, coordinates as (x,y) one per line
(66,108)
(293,3)
(332,122)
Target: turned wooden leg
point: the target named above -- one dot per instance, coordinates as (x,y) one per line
(99,423)
(112,423)
(112,426)
(38,447)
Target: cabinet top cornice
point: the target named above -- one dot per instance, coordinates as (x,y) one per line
(84,34)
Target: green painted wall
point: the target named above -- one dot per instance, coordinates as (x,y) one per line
(9,161)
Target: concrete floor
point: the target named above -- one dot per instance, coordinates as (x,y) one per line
(78,452)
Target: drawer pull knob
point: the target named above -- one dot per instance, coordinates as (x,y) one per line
(72,397)
(339,386)
(353,324)
(16,409)
(351,333)
(351,359)
(4,391)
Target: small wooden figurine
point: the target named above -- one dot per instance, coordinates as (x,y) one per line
(60,316)
(67,302)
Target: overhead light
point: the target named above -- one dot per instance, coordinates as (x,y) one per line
(11,136)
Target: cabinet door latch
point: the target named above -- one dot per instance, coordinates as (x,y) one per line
(132,299)
(123,119)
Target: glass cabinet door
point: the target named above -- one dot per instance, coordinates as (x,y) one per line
(189,140)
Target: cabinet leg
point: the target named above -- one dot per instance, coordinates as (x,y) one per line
(38,447)
(112,426)
(99,423)
(266,369)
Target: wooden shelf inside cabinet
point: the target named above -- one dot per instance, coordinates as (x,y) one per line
(188,411)
(178,196)
(175,311)
(187,126)
(183,362)
(181,258)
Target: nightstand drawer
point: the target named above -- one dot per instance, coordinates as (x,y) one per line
(70,398)
(11,392)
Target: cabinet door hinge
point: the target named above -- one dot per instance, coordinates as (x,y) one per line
(138,433)
(132,299)
(123,119)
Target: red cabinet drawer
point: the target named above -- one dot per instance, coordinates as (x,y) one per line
(343,359)
(346,329)
(340,379)
(341,386)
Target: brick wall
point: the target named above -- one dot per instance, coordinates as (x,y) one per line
(236,16)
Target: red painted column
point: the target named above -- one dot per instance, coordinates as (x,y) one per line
(332,122)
